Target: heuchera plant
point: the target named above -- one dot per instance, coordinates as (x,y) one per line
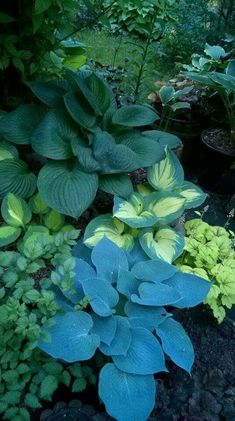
(116,306)
(83,139)
(145,217)
(209,253)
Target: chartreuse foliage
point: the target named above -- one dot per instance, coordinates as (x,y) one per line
(28,303)
(144,218)
(89,143)
(116,306)
(209,253)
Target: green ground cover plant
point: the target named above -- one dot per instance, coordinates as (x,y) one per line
(210,253)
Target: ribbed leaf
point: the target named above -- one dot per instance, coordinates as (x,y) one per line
(8,235)
(134,116)
(15,178)
(85,156)
(50,92)
(126,396)
(7,151)
(164,138)
(116,184)
(18,125)
(52,138)
(66,188)
(80,110)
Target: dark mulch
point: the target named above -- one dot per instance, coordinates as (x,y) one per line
(220,140)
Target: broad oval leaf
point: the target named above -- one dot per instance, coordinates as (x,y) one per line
(134,116)
(192,194)
(52,138)
(71,338)
(156,294)
(192,288)
(122,338)
(108,259)
(7,150)
(166,244)
(215,52)
(19,125)
(132,212)
(101,295)
(80,110)
(104,327)
(49,92)
(15,211)
(176,343)
(166,174)
(144,356)
(154,270)
(16,178)
(66,188)
(107,226)
(127,283)
(148,317)
(8,235)
(126,396)
(167,207)
(164,138)
(120,184)
(37,205)
(166,94)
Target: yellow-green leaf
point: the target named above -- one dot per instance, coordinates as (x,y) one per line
(15,211)
(166,207)
(8,235)
(166,174)
(132,212)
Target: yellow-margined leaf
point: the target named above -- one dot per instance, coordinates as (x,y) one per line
(8,235)
(132,212)
(166,207)
(15,211)
(166,174)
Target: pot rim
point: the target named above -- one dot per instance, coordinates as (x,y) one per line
(231,154)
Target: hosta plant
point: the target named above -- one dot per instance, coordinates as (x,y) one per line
(116,306)
(210,253)
(84,141)
(144,219)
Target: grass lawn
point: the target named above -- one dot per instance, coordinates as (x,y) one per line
(109,49)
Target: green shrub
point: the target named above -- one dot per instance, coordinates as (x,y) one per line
(209,253)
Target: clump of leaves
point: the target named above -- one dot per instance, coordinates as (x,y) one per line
(209,253)
(87,141)
(116,304)
(143,221)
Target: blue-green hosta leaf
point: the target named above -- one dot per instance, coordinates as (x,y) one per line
(122,339)
(7,150)
(82,271)
(192,288)
(107,226)
(225,80)
(80,110)
(134,116)
(127,283)
(49,92)
(120,184)
(147,149)
(166,244)
(18,125)
(52,138)
(101,295)
(166,174)
(136,255)
(126,396)
(132,212)
(167,207)
(66,188)
(85,156)
(108,259)
(145,316)
(8,234)
(156,294)
(166,94)
(71,338)
(193,195)
(16,178)
(15,211)
(215,52)
(230,69)
(82,252)
(153,270)
(176,343)
(144,355)
(104,327)
(164,138)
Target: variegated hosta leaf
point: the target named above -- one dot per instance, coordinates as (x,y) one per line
(166,244)
(15,211)
(132,212)
(8,234)
(144,189)
(167,207)
(166,174)
(192,194)
(107,226)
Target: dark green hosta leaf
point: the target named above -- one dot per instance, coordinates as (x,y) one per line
(50,92)
(126,396)
(85,156)
(163,138)
(66,188)
(52,138)
(116,184)
(7,151)
(18,125)
(80,110)
(16,178)
(134,116)
(166,94)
